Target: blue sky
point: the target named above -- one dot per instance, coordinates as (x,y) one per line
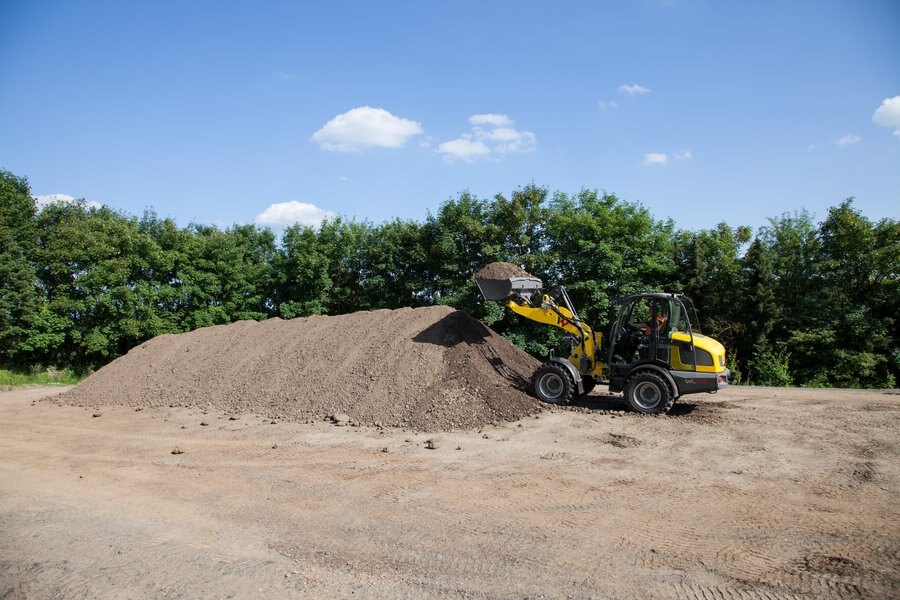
(223,112)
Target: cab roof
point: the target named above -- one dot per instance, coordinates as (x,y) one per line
(659,295)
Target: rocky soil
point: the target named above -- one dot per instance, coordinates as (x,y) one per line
(433,368)
(501,270)
(751,493)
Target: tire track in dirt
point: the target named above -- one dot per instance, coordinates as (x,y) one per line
(688,512)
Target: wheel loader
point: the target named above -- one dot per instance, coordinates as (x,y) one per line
(656,352)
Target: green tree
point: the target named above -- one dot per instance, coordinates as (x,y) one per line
(20,297)
(796,250)
(517,227)
(602,247)
(859,262)
(805,303)
(171,303)
(225,276)
(249,284)
(302,282)
(837,286)
(321,271)
(96,268)
(859,259)
(709,270)
(343,243)
(759,313)
(393,273)
(459,240)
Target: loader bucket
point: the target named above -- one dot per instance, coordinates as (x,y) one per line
(502,290)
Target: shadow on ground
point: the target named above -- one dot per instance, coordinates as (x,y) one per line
(608,402)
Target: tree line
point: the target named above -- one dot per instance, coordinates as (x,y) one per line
(795,303)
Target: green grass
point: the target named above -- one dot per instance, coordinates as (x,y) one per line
(46,377)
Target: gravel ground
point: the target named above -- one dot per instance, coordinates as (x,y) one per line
(751,493)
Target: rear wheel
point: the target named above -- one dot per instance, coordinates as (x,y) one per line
(553,384)
(649,393)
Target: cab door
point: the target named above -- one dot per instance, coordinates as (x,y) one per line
(641,332)
(659,321)
(682,353)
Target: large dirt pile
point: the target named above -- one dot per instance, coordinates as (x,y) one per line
(428,368)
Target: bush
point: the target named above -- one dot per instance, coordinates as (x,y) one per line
(770,368)
(731,361)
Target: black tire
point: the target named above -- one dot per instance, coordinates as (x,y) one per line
(589,383)
(649,393)
(552,384)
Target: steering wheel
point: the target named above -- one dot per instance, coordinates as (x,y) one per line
(637,328)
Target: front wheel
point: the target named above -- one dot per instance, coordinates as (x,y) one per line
(553,384)
(648,393)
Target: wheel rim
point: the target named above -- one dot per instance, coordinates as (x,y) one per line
(551,387)
(647,395)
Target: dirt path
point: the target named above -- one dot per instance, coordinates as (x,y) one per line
(753,493)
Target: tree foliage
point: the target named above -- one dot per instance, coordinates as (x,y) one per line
(20,299)
(800,303)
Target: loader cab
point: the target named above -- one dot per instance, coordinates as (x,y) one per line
(661,332)
(644,328)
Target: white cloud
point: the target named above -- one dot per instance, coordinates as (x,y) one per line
(848,140)
(607,105)
(491,119)
(656,158)
(888,114)
(365,127)
(507,139)
(463,148)
(634,89)
(683,155)
(497,137)
(43,201)
(283,214)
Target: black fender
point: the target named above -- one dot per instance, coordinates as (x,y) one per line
(576,376)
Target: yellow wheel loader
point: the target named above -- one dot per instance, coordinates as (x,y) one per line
(655,354)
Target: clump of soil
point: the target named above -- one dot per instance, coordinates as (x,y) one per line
(429,369)
(501,270)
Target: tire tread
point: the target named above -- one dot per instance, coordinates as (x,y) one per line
(650,375)
(558,370)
